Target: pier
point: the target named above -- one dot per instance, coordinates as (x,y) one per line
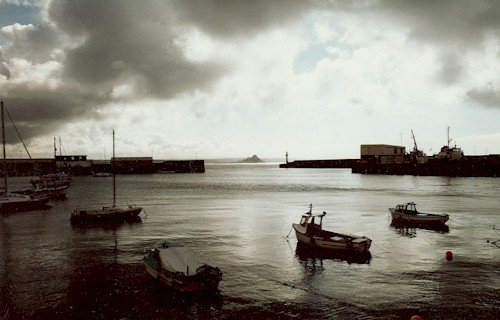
(80,165)
(468,166)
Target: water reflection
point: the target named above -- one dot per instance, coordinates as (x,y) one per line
(39,207)
(312,258)
(104,225)
(408,229)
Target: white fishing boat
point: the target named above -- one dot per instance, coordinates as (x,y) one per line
(309,231)
(176,266)
(12,202)
(107,213)
(408,213)
(52,193)
(53,186)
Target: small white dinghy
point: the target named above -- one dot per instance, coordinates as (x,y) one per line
(407,213)
(176,266)
(311,233)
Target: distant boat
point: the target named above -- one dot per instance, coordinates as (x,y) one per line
(450,153)
(107,213)
(12,202)
(311,233)
(53,186)
(176,266)
(408,213)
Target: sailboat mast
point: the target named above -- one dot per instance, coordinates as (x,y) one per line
(4,155)
(113,169)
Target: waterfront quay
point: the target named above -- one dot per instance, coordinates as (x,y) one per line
(80,165)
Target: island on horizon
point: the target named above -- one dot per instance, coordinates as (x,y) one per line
(252,159)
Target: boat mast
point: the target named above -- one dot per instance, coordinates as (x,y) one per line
(55,148)
(4,156)
(113,169)
(448,136)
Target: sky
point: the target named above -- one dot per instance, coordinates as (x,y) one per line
(186,79)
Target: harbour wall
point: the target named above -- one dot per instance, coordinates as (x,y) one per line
(468,166)
(340,163)
(30,167)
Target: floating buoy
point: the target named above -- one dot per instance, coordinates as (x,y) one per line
(415,317)
(449,255)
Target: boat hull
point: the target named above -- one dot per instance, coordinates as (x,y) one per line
(22,204)
(179,282)
(306,253)
(337,242)
(105,214)
(55,193)
(419,218)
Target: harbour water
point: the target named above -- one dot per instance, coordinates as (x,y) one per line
(237,217)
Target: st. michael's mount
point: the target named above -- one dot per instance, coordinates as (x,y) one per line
(252,159)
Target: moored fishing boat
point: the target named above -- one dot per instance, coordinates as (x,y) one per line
(311,233)
(52,193)
(176,266)
(52,186)
(12,202)
(408,213)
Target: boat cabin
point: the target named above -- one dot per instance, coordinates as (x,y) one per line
(408,208)
(310,221)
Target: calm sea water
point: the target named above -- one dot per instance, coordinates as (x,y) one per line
(237,217)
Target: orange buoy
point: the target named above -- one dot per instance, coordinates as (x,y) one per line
(449,255)
(415,317)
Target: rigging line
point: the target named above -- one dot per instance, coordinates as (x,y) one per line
(380,247)
(25,148)
(455,221)
(289,232)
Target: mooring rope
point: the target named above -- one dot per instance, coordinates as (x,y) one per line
(495,243)
(289,232)
(380,247)
(456,221)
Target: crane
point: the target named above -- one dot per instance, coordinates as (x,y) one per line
(415,149)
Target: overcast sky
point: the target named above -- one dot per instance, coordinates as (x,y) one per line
(213,79)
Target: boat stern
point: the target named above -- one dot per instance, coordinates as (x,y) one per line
(361,244)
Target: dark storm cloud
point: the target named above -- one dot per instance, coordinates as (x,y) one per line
(33,44)
(33,108)
(240,18)
(451,68)
(487,96)
(126,42)
(454,26)
(127,39)
(447,22)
